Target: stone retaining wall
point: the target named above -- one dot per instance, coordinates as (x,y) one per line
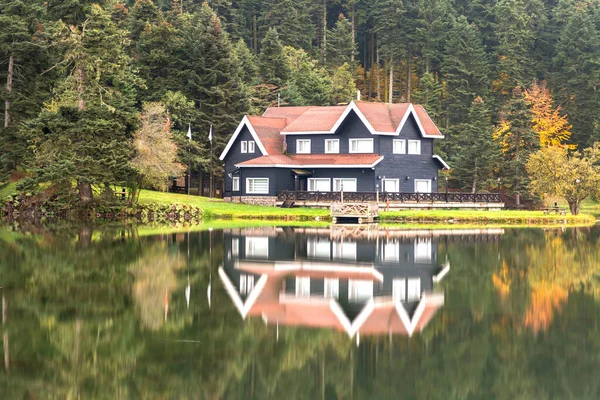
(256,200)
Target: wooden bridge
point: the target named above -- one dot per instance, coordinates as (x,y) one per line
(359,212)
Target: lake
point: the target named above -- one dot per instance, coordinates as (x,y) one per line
(341,312)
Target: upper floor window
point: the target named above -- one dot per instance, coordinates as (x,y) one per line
(399,146)
(361,145)
(251,146)
(414,147)
(257,246)
(244,145)
(332,145)
(246,284)
(303,146)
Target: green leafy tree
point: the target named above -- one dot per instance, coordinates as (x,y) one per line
(341,48)
(477,152)
(274,68)
(343,88)
(247,63)
(429,94)
(573,176)
(308,84)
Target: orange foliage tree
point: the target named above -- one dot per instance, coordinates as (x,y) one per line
(552,128)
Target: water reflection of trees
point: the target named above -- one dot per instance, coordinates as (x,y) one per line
(90,324)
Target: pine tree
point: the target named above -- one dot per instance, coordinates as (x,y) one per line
(476,151)
(343,87)
(247,63)
(465,68)
(273,66)
(517,141)
(340,45)
(434,21)
(292,20)
(308,84)
(430,95)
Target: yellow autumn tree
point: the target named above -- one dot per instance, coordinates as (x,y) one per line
(552,128)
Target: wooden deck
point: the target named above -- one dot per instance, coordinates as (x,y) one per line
(360,212)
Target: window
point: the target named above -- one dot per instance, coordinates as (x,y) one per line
(359,290)
(399,146)
(399,289)
(423,250)
(361,145)
(319,184)
(414,289)
(348,184)
(257,246)
(414,147)
(332,288)
(423,185)
(244,146)
(391,252)
(251,146)
(235,184)
(303,146)
(318,249)
(235,247)
(257,185)
(344,250)
(246,283)
(302,286)
(332,145)
(391,185)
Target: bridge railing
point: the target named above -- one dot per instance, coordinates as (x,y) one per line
(398,197)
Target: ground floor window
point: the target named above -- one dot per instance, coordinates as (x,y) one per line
(399,289)
(257,185)
(423,185)
(235,184)
(391,185)
(319,184)
(423,250)
(257,247)
(360,290)
(348,184)
(331,288)
(302,286)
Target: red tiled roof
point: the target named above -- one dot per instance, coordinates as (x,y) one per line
(301,160)
(268,131)
(428,125)
(289,113)
(316,119)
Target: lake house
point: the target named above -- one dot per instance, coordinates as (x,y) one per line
(361,147)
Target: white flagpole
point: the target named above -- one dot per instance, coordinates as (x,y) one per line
(211,162)
(189,136)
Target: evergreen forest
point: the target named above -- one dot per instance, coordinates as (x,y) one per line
(80,79)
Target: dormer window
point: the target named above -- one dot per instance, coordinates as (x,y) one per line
(251,146)
(303,146)
(361,145)
(244,145)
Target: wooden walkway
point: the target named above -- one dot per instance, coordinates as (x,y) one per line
(359,212)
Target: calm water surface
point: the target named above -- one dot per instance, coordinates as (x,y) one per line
(300,313)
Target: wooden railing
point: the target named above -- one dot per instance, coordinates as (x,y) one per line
(284,195)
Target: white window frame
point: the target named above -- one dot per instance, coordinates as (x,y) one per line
(418,149)
(244,145)
(257,246)
(401,143)
(318,248)
(246,284)
(336,145)
(413,290)
(331,288)
(385,181)
(358,140)
(391,251)
(311,180)
(251,146)
(253,191)
(302,286)
(423,180)
(304,151)
(360,290)
(337,185)
(344,250)
(423,250)
(235,247)
(235,184)
(399,289)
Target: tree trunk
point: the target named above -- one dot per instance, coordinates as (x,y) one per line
(378,77)
(408,78)
(324,44)
(474,186)
(574,206)
(391,81)
(353,34)
(200,182)
(80,72)
(372,78)
(255,34)
(85,236)
(517,199)
(9,82)
(85,191)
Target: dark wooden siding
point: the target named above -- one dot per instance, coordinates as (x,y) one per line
(235,156)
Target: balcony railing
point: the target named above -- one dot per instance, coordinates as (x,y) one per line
(401,197)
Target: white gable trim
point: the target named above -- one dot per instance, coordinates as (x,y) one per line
(243,308)
(353,107)
(245,122)
(436,157)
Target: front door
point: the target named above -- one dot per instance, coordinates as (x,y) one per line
(423,185)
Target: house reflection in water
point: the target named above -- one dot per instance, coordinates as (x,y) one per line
(360,282)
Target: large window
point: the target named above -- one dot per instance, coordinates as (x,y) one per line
(318,249)
(344,250)
(257,185)
(303,146)
(251,146)
(244,145)
(414,147)
(359,290)
(235,184)
(302,286)
(423,185)
(391,252)
(391,185)
(347,184)
(257,246)
(319,184)
(423,250)
(399,146)
(235,246)
(361,145)
(332,145)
